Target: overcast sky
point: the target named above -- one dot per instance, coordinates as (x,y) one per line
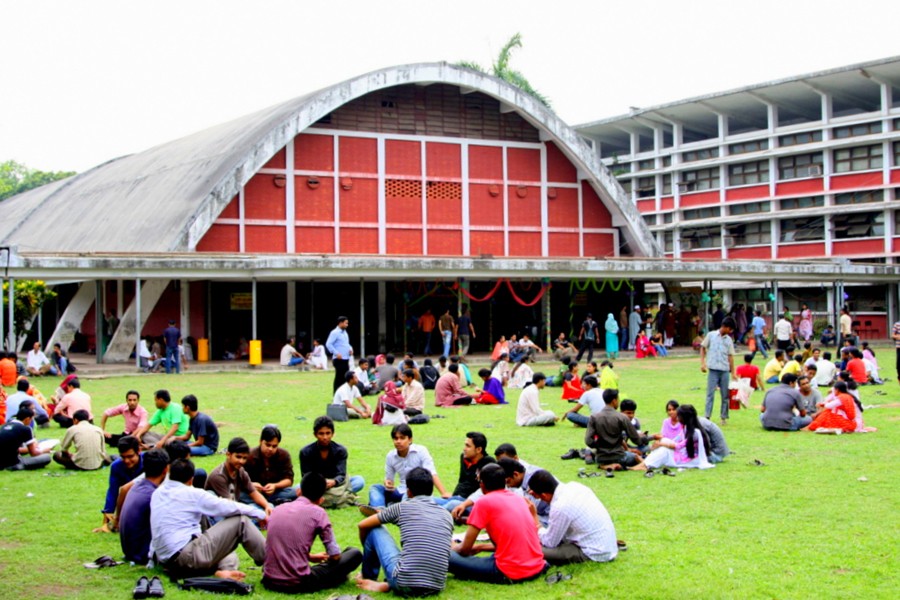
(87,81)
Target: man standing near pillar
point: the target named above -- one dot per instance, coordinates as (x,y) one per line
(338,344)
(635,324)
(717,360)
(448,331)
(426,328)
(171,335)
(465,329)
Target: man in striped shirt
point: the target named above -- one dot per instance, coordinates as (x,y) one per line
(420,568)
(579,528)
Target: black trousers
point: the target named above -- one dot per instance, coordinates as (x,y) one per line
(341,366)
(322,576)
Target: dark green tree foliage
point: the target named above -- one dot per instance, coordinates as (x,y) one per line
(500,68)
(16,178)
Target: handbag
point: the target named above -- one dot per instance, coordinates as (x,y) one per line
(337,412)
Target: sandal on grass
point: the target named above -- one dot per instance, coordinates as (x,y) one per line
(102,562)
(557,577)
(756,463)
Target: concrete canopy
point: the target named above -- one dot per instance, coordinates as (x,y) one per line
(164,199)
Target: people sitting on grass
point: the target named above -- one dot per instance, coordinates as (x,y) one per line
(472,460)
(429,374)
(399,462)
(75,399)
(521,374)
(292,530)
(772,370)
(390,407)
(18,448)
(515,548)
(270,469)
(839,412)
(528,411)
(201,427)
(290,357)
(643,347)
(779,405)
(592,398)
(386,372)
(465,376)
(571,383)
(751,372)
(492,393)
(134,518)
(688,451)
(175,423)
(347,393)
(37,363)
(419,567)
(231,481)
(124,469)
(579,528)
(179,544)
(134,415)
(317,357)
(609,379)
(362,377)
(448,391)
(413,393)
(329,459)
(810,395)
(21,397)
(604,436)
(90,448)
(718,447)
(825,371)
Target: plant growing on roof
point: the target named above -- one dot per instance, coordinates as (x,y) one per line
(500,68)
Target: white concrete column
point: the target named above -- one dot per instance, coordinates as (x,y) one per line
(253,315)
(185,320)
(291,296)
(145,298)
(73,315)
(138,323)
(466,231)
(11,335)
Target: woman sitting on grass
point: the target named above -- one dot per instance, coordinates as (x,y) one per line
(572,389)
(521,374)
(643,347)
(671,427)
(838,414)
(590,369)
(500,368)
(687,451)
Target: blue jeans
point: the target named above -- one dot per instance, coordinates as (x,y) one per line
(772,379)
(295,360)
(578,418)
(172,359)
(202,451)
(288,494)
(797,423)
(447,337)
(717,379)
(379,496)
(380,552)
(759,345)
(449,503)
(481,568)
(357,483)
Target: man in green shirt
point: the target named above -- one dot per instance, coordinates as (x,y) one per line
(173,419)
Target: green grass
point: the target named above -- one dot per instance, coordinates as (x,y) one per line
(803,525)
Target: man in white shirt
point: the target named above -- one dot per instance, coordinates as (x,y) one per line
(529,412)
(592,398)
(289,355)
(37,363)
(783,331)
(349,392)
(413,393)
(178,544)
(825,370)
(580,528)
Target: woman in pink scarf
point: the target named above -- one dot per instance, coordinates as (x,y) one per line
(390,406)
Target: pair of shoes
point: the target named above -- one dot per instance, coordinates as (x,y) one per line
(557,577)
(668,472)
(148,588)
(368,511)
(609,473)
(583,474)
(589,458)
(103,562)
(649,473)
(572,453)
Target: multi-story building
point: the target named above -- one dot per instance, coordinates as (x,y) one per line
(800,168)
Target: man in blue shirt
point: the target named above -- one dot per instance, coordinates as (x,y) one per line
(338,344)
(124,469)
(134,521)
(758,331)
(171,335)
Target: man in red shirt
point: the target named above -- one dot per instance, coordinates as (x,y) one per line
(857,367)
(751,372)
(511,523)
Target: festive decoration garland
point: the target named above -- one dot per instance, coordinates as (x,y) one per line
(574,286)
(545,285)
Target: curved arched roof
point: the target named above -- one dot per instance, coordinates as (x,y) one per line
(164,199)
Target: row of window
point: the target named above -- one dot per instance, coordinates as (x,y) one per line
(797,166)
(806,229)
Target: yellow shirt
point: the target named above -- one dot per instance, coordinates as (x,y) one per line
(792,366)
(773,368)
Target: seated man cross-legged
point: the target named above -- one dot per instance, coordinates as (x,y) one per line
(134,518)
(329,459)
(399,462)
(270,469)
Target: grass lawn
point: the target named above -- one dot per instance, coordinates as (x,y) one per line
(804,525)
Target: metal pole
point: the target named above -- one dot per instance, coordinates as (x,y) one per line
(362,319)
(253,294)
(12,314)
(2,321)
(98,320)
(137,323)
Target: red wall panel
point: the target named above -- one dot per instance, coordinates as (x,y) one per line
(667,203)
(359,241)
(700,198)
(231,211)
(562,211)
(596,215)
(262,199)
(524,211)
(444,243)
(757,252)
(645,206)
(524,244)
(804,186)
(404,210)
(404,241)
(523,164)
(358,155)
(443,161)
(360,204)
(314,152)
(599,244)
(314,240)
(895,176)
(485,162)
(261,238)
(402,158)
(197,310)
(563,244)
(816,249)
(220,238)
(485,209)
(445,211)
(559,169)
(896,244)
(701,254)
(486,242)
(747,193)
(869,246)
(314,204)
(854,180)
(277,161)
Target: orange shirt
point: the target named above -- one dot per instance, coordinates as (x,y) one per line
(7,372)
(426,323)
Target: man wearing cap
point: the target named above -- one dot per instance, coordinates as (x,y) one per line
(635,322)
(74,400)
(171,335)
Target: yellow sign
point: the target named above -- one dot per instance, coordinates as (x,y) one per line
(241,301)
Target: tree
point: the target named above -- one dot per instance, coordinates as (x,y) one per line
(501,69)
(16,178)
(30,295)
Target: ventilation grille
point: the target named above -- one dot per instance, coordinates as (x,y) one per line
(444,190)
(402,188)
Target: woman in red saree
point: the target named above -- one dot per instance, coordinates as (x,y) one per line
(838,411)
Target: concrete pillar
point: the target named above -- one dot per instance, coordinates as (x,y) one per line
(545,309)
(185,320)
(253,314)
(382,316)
(11,336)
(73,315)
(362,319)
(122,342)
(776,304)
(139,324)
(99,321)
(291,295)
